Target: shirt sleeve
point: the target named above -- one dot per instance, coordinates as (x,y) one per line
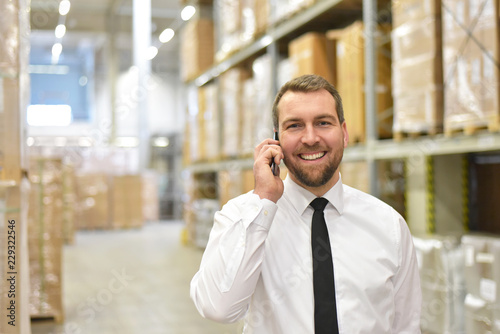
(231,263)
(408,296)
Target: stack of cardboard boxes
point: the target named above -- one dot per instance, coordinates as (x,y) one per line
(441,266)
(126,201)
(197,47)
(45,241)
(14,98)
(350,82)
(417,74)
(231,90)
(471,58)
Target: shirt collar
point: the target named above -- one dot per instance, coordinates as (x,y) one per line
(301,198)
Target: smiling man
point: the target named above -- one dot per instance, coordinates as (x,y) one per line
(265,260)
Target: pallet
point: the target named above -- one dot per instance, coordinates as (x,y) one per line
(402,135)
(54,318)
(472,128)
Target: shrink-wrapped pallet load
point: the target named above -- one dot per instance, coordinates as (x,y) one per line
(417,75)
(471,58)
(482,278)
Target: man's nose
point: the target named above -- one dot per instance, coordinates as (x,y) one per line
(310,137)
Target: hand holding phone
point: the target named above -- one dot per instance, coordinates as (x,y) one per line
(274,168)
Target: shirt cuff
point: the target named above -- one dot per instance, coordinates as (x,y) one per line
(259,211)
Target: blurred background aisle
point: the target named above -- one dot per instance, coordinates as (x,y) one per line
(129,282)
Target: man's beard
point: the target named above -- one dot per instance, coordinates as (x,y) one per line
(304,176)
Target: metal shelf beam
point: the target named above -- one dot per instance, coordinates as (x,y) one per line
(272,35)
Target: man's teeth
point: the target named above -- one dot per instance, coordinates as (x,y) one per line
(312,156)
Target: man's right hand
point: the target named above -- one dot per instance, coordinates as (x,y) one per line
(267,185)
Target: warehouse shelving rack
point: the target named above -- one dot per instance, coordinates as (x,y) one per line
(436,159)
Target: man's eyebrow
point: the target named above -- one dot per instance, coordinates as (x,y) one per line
(294,119)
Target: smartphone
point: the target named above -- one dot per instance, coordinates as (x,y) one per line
(274,168)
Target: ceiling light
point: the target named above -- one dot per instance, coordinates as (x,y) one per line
(56,49)
(151,52)
(126,142)
(167,35)
(64,7)
(187,13)
(60,31)
(49,115)
(161,142)
(56,52)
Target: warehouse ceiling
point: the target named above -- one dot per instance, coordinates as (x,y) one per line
(89,22)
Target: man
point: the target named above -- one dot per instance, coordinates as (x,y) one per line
(258,263)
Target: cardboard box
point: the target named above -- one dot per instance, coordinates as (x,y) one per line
(211,122)
(249,119)
(150,196)
(92,198)
(262,71)
(229,185)
(417,77)
(197,48)
(351,80)
(261,16)
(14,275)
(9,38)
(471,72)
(10,130)
(45,240)
(313,53)
(126,201)
(404,11)
(231,85)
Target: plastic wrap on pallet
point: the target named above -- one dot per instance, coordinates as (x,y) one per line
(284,9)
(262,69)
(211,122)
(197,48)
(248,141)
(150,195)
(69,202)
(230,185)
(15,287)
(229,27)
(417,68)
(45,239)
(231,86)
(204,211)
(14,85)
(351,80)
(126,201)
(414,11)
(440,260)
(482,277)
(92,201)
(192,141)
(9,38)
(471,58)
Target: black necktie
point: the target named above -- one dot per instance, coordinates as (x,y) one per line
(325,310)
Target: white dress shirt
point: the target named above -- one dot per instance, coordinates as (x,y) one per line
(258,264)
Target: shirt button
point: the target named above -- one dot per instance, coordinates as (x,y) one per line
(265,212)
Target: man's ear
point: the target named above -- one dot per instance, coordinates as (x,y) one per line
(346,134)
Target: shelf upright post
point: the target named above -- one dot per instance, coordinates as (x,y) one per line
(370,28)
(272,49)
(141,22)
